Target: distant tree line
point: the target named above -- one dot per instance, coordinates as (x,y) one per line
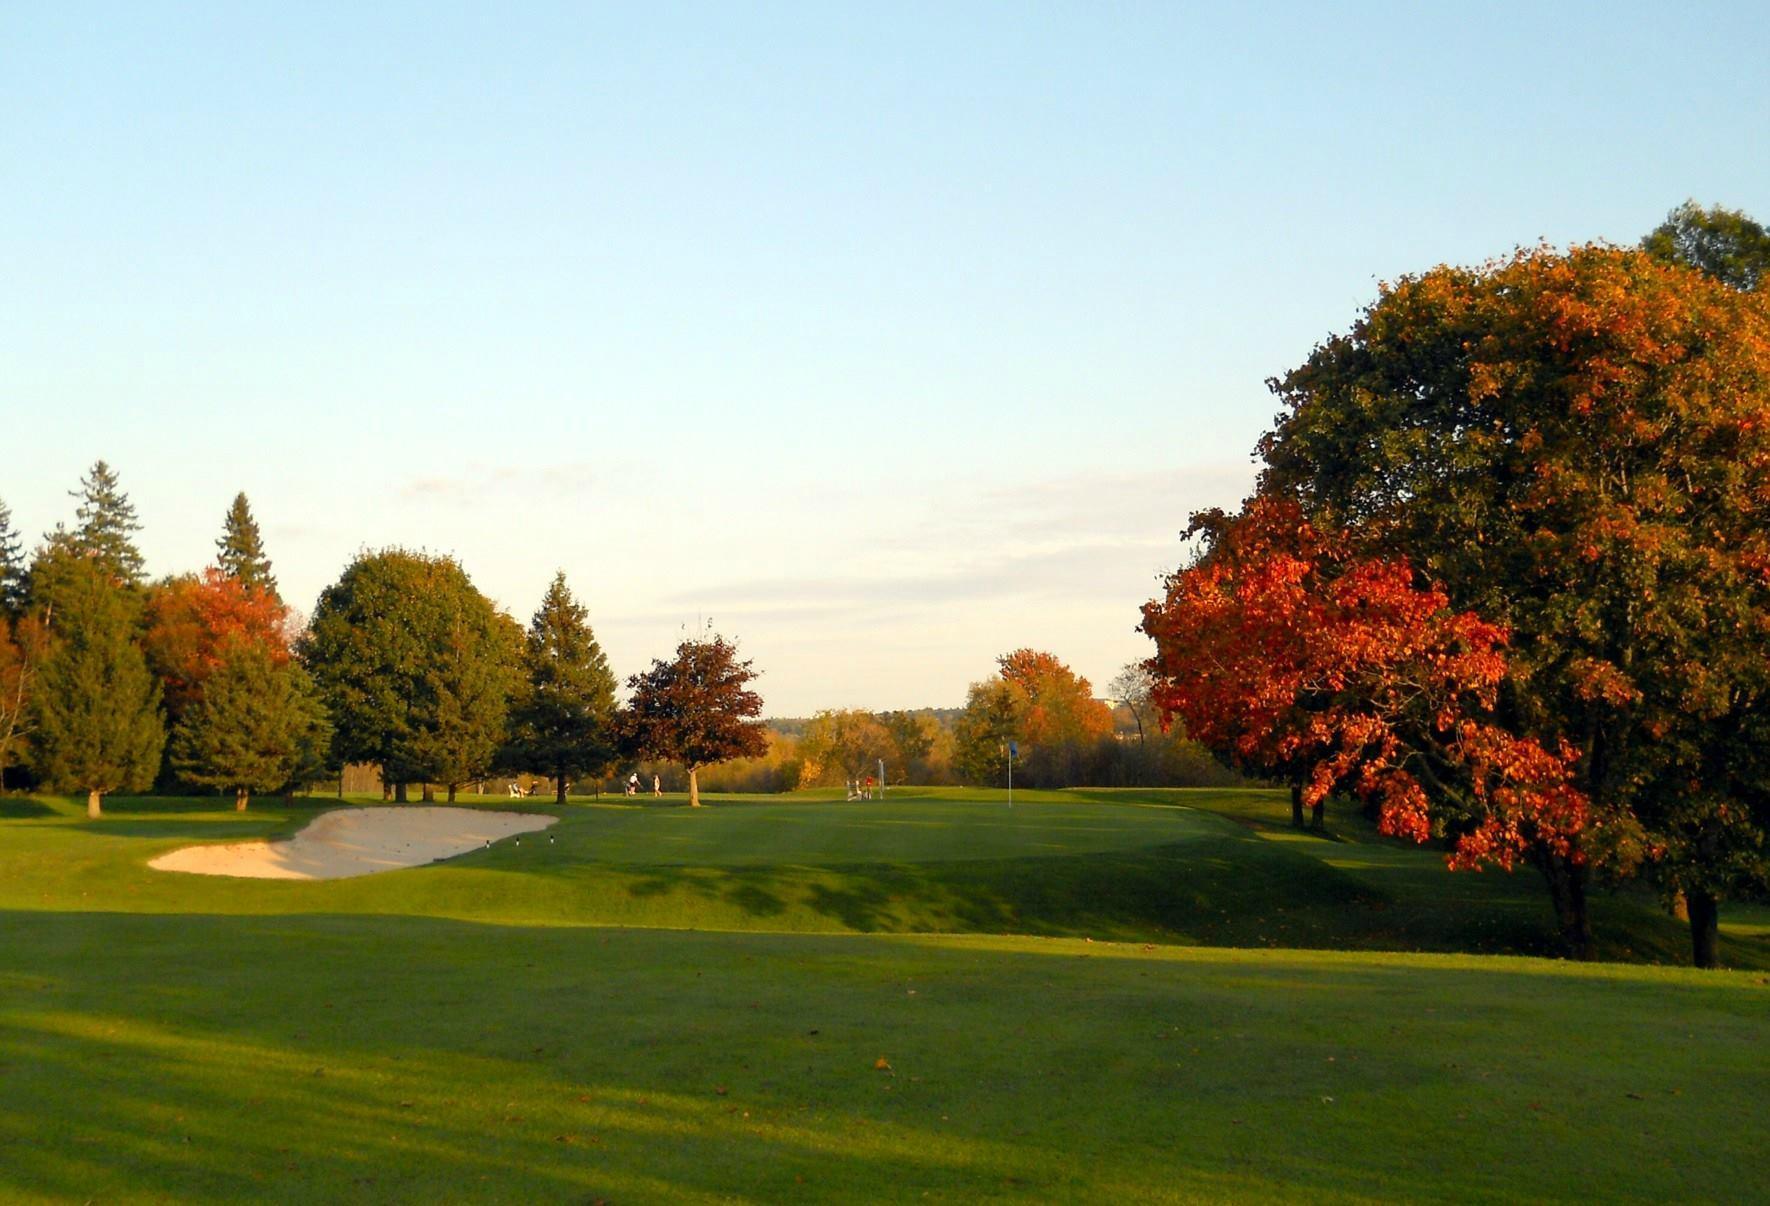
(1064,736)
(109,682)
(112,683)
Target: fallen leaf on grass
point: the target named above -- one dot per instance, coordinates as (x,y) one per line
(721,1090)
(881,1064)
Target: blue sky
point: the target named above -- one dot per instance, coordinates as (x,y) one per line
(891,337)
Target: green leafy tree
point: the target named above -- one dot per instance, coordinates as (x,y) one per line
(846,740)
(415,667)
(240,550)
(995,713)
(1723,243)
(1574,446)
(97,705)
(245,731)
(696,709)
(107,525)
(465,696)
(911,737)
(12,565)
(562,722)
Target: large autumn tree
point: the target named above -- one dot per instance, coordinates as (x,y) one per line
(97,706)
(1041,704)
(1576,449)
(192,618)
(23,644)
(1283,647)
(416,667)
(696,709)
(562,722)
(842,742)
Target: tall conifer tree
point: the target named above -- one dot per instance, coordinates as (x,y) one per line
(107,525)
(12,564)
(562,722)
(246,731)
(98,707)
(240,551)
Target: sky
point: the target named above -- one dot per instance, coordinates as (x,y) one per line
(884,338)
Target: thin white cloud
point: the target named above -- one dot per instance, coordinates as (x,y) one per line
(471,486)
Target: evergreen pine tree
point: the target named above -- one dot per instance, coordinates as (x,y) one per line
(98,707)
(107,525)
(246,731)
(314,759)
(12,564)
(240,551)
(562,723)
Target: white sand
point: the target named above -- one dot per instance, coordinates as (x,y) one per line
(357,841)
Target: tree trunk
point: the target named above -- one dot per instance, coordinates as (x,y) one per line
(1567,889)
(559,797)
(1705,917)
(1318,815)
(93,806)
(694,789)
(241,795)
(399,793)
(1681,907)
(1297,805)
(451,793)
(430,793)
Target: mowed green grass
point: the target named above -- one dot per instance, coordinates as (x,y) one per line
(1213,867)
(539,1023)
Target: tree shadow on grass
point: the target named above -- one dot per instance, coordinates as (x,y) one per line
(299,1061)
(21,807)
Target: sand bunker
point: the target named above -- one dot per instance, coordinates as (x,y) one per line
(357,841)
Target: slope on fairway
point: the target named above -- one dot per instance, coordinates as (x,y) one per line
(1209,866)
(1199,866)
(415,1059)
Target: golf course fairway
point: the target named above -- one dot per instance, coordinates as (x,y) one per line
(1099,996)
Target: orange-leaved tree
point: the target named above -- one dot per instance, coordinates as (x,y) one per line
(1281,647)
(1576,447)
(191,619)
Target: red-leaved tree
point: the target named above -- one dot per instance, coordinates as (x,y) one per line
(191,621)
(696,709)
(1279,647)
